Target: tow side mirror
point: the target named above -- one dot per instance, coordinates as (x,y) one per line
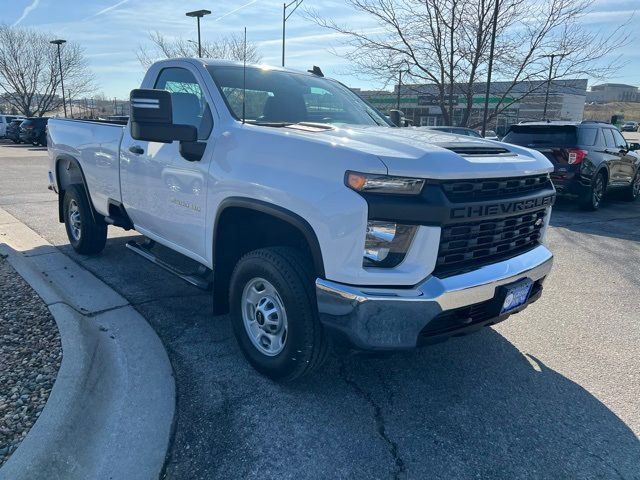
(634,146)
(152,118)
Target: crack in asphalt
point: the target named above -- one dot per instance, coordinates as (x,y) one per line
(379,419)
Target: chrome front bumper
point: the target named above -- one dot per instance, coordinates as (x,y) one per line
(390,319)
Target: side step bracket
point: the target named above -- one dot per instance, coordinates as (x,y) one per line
(202,278)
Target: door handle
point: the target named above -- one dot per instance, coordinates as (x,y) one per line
(138,150)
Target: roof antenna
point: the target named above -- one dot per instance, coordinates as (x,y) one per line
(244,76)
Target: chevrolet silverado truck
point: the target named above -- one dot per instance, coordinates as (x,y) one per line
(312,219)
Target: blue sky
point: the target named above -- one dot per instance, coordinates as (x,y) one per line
(111,30)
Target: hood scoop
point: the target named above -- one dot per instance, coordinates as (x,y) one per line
(469,150)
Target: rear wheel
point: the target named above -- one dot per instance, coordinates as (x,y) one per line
(633,191)
(592,198)
(274,313)
(86,234)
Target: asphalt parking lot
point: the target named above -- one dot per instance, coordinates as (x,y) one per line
(551,393)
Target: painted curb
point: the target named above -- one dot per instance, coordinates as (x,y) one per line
(110,412)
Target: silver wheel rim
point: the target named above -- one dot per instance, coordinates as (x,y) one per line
(264,317)
(75,225)
(598,190)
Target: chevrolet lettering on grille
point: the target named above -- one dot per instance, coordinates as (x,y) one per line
(504,208)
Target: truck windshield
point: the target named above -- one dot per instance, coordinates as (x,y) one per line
(280,98)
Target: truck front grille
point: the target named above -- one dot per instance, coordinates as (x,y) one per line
(493,188)
(467,246)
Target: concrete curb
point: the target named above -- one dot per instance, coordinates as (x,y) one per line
(110,412)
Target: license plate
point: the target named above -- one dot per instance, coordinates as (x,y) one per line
(515,295)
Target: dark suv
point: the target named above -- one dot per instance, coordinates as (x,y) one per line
(34,130)
(589,158)
(13,130)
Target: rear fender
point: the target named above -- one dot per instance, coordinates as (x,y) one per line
(69,172)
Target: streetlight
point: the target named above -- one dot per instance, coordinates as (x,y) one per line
(546,96)
(488,89)
(285,17)
(58,43)
(199,14)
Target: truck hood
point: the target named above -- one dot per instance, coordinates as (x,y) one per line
(419,152)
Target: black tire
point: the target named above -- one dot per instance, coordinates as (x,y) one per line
(305,347)
(592,198)
(633,191)
(92,234)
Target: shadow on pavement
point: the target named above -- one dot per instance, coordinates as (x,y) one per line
(24,146)
(472,407)
(616,218)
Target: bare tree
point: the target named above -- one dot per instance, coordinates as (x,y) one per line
(30,73)
(226,48)
(446,43)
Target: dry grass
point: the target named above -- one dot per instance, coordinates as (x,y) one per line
(603,112)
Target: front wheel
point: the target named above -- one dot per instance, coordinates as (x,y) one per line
(633,191)
(86,234)
(592,198)
(275,315)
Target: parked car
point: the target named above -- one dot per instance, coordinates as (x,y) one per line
(34,130)
(13,130)
(630,127)
(320,219)
(5,120)
(491,135)
(589,158)
(457,131)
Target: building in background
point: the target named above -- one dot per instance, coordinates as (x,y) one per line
(419,103)
(613,92)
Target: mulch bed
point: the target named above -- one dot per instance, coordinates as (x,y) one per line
(30,355)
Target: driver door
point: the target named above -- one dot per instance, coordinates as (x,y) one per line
(163,193)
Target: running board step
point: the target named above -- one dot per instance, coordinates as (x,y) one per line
(203,278)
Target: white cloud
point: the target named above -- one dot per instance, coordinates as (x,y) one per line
(28,9)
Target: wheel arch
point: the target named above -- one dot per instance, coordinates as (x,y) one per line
(232,237)
(69,172)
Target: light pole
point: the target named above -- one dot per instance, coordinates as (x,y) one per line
(295,4)
(546,96)
(400,72)
(493,44)
(58,43)
(199,14)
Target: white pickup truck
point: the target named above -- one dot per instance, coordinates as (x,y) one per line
(313,219)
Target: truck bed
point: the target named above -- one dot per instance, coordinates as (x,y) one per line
(96,145)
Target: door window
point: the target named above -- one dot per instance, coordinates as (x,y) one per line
(189,104)
(608,138)
(620,142)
